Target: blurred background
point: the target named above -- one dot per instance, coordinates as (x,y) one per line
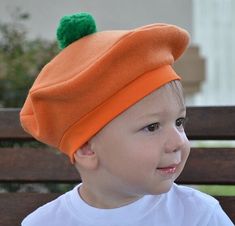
(28,42)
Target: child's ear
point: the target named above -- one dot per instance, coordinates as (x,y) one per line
(86,158)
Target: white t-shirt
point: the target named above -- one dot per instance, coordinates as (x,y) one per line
(181,206)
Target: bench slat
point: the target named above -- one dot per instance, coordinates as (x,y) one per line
(211,123)
(15,206)
(209,166)
(10,127)
(36,165)
(204,123)
(216,166)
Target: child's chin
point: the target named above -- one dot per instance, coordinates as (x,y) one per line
(163,188)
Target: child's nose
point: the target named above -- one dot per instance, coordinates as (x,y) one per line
(175,140)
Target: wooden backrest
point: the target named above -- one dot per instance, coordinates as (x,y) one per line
(33,165)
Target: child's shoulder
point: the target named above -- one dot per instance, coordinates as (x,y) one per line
(192,194)
(203,208)
(191,197)
(192,204)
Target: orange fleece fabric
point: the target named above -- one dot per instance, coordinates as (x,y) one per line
(97,77)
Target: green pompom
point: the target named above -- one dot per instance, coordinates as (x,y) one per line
(74,27)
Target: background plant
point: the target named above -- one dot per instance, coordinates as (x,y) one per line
(21,59)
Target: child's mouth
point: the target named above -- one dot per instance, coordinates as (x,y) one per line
(167,170)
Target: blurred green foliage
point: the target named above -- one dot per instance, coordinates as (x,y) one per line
(224,190)
(21,60)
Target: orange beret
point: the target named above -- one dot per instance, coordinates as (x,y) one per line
(97,77)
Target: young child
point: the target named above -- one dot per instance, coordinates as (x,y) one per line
(112,102)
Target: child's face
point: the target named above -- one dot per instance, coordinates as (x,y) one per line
(143,150)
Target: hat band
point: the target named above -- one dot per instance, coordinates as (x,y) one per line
(86,127)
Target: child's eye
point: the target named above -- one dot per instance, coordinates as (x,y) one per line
(152,127)
(180,122)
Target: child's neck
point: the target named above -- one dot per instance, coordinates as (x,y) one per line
(104,200)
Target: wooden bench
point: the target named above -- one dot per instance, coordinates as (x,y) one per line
(41,165)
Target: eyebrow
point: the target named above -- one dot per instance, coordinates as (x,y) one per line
(154,114)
